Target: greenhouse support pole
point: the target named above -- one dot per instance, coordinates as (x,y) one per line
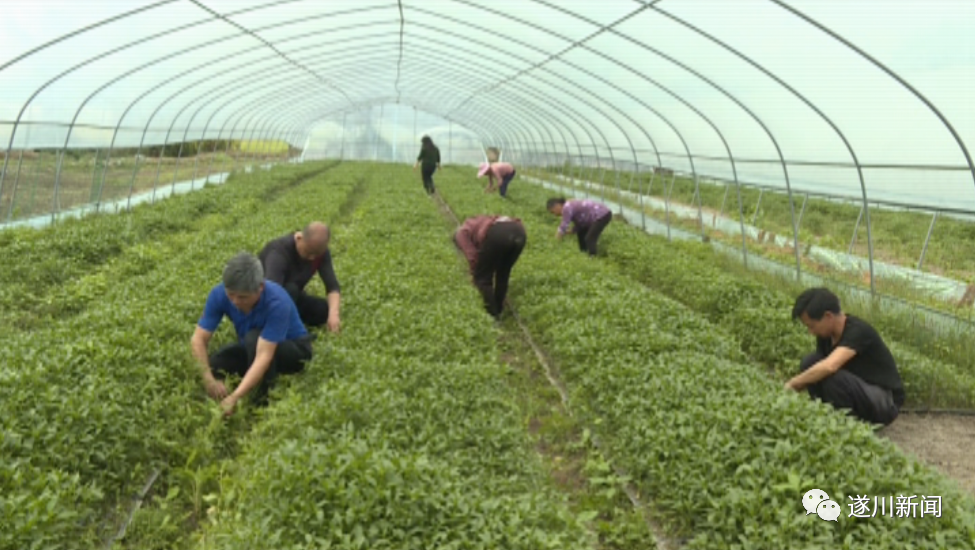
(805,198)
(700,213)
(643,210)
(856,229)
(673,178)
(927,239)
(758,205)
(13,193)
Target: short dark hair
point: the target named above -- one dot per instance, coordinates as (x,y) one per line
(815,302)
(553,202)
(243,273)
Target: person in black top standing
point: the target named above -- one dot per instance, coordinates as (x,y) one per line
(429,161)
(292,260)
(852,368)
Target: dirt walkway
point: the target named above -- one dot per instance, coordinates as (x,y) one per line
(944,442)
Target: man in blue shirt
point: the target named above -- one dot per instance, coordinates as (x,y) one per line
(271,337)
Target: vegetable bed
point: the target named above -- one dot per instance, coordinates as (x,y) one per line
(717,445)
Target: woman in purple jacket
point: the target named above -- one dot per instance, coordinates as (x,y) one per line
(588,217)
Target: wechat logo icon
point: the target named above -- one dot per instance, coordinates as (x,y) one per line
(816,501)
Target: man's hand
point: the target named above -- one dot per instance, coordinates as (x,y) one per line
(334,324)
(558,235)
(228,404)
(215,388)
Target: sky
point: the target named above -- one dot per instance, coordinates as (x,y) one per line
(622,80)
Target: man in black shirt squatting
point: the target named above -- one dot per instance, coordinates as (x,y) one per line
(292,260)
(852,368)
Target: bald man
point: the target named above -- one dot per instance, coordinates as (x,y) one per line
(292,260)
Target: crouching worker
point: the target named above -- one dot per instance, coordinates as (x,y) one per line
(492,245)
(271,340)
(852,368)
(292,261)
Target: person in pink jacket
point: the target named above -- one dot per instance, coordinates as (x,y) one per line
(504,173)
(492,245)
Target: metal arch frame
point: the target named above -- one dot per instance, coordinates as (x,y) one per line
(190,121)
(141,41)
(399,63)
(892,74)
(2,173)
(582,127)
(731,158)
(232,37)
(190,70)
(553,103)
(173,96)
(574,44)
(910,88)
(613,121)
(272,106)
(187,72)
(88,61)
(179,75)
(544,126)
(306,124)
(490,123)
(818,111)
(528,114)
(356,107)
(250,32)
(757,119)
(562,77)
(605,28)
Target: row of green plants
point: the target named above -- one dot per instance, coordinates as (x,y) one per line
(91,404)
(898,236)
(58,270)
(402,432)
(938,373)
(724,453)
(759,316)
(849,280)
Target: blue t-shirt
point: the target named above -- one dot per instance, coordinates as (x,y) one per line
(274,313)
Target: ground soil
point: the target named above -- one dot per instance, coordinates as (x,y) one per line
(944,442)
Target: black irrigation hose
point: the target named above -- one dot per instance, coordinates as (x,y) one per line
(663,543)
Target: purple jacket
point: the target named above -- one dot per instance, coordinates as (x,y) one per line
(582,212)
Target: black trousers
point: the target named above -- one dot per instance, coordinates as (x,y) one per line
(501,248)
(589,236)
(312,309)
(427,173)
(289,358)
(845,390)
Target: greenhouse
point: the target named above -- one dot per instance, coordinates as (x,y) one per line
(458,274)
